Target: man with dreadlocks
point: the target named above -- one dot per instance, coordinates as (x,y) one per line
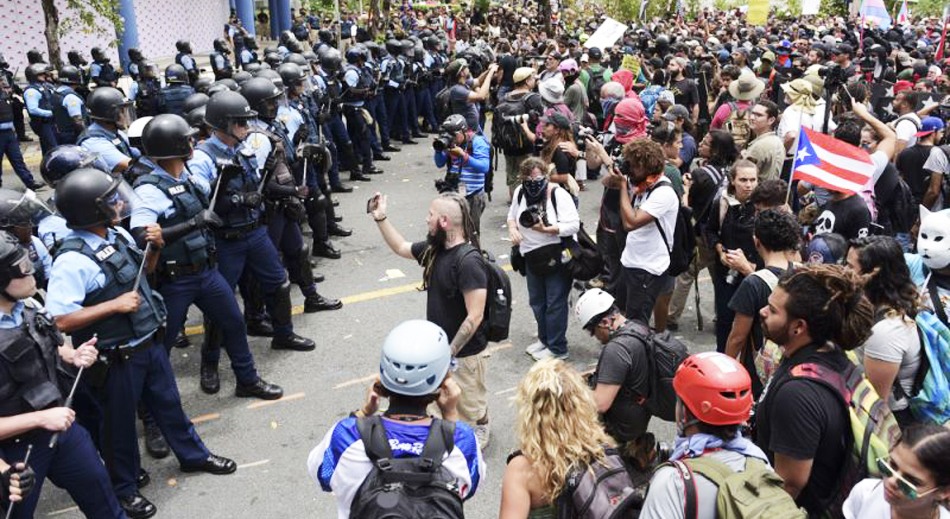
(814,315)
(457,286)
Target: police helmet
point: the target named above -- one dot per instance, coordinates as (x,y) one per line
(217,87)
(228,82)
(270,48)
(14,262)
(34,71)
(107,104)
(310,56)
(286,36)
(454,124)
(393,47)
(98,55)
(135,55)
(242,76)
(250,43)
(21,209)
(226,107)
(64,159)
(134,133)
(325,36)
(88,197)
(70,75)
(273,76)
(331,60)
(407,46)
(194,101)
(272,59)
(176,73)
(34,56)
(291,74)
(221,46)
(202,84)
(415,359)
(167,136)
(294,46)
(296,58)
(76,59)
(259,92)
(196,117)
(252,67)
(354,55)
(183,46)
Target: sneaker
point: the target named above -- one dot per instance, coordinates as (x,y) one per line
(547,354)
(534,347)
(482,435)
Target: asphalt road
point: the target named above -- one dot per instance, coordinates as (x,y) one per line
(270,440)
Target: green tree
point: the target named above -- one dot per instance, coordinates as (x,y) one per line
(85,16)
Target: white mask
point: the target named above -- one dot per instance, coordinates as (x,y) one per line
(933,241)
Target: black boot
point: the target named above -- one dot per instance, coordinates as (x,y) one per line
(182,341)
(356,175)
(335,230)
(372,170)
(155,443)
(390,148)
(326,250)
(317,303)
(260,389)
(380,156)
(210,383)
(281,313)
(260,328)
(292,342)
(136,506)
(143,479)
(341,188)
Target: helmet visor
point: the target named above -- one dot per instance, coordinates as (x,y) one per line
(27,211)
(125,114)
(117,203)
(21,267)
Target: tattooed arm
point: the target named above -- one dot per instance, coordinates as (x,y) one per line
(475,306)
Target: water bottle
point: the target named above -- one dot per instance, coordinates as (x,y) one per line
(500,297)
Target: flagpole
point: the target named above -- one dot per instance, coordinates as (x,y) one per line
(943,38)
(791,175)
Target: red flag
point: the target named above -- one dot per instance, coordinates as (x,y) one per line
(827,162)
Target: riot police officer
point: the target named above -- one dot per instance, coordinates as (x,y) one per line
(37,97)
(356,88)
(248,54)
(375,104)
(34,56)
(186,269)
(236,198)
(425,104)
(14,96)
(391,67)
(35,370)
(330,63)
(411,71)
(9,143)
(185,59)
(102,72)
(326,42)
(220,60)
(19,214)
(69,110)
(109,112)
(146,91)
(95,291)
(195,115)
(172,96)
(75,59)
(136,60)
(58,163)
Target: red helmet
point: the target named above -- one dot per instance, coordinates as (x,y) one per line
(715,388)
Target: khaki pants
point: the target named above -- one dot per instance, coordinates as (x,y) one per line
(704,259)
(470,376)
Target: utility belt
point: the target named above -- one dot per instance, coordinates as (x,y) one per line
(41,119)
(36,437)
(172,272)
(390,88)
(96,374)
(291,207)
(236,233)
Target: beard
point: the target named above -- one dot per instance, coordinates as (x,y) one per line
(437,239)
(779,336)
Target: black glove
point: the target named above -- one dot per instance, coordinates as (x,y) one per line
(208,218)
(312,151)
(26,479)
(302,135)
(271,163)
(229,170)
(251,199)
(324,117)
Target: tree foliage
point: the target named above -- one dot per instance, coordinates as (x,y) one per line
(97,17)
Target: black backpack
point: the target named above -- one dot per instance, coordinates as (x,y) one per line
(497,318)
(507,135)
(407,487)
(601,490)
(443,106)
(683,247)
(595,82)
(664,354)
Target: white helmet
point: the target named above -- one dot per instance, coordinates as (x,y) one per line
(416,358)
(135,129)
(591,304)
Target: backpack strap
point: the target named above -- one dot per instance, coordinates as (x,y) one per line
(656,221)
(712,469)
(768,276)
(939,310)
(374,438)
(440,442)
(690,503)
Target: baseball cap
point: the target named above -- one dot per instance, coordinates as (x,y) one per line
(557,119)
(768,56)
(568,65)
(676,112)
(929,125)
(522,74)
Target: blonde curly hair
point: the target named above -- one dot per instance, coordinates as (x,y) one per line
(558,425)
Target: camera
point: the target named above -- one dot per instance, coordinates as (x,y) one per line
(449,183)
(517,119)
(533,215)
(443,142)
(581,133)
(833,74)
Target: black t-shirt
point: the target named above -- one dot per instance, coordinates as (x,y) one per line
(804,420)
(454,272)
(685,92)
(910,164)
(623,362)
(848,217)
(507,63)
(563,163)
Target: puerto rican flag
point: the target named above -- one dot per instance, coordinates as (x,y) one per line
(832,164)
(903,16)
(873,11)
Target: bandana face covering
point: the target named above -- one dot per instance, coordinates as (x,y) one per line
(534,189)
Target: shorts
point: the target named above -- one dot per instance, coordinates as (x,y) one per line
(513,169)
(667,285)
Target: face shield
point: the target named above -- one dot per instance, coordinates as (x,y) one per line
(26,211)
(21,267)
(116,204)
(125,114)
(304,86)
(268,107)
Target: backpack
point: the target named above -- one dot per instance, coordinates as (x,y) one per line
(930,396)
(755,493)
(664,355)
(874,430)
(738,124)
(407,487)
(594,83)
(584,259)
(497,318)
(601,490)
(901,212)
(443,107)
(683,247)
(507,135)
(945,183)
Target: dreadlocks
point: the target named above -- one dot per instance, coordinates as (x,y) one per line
(465,224)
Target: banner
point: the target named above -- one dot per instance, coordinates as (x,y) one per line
(631,63)
(875,14)
(758,12)
(606,35)
(810,7)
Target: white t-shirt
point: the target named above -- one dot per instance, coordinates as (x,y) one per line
(566,218)
(665,498)
(939,163)
(894,339)
(906,129)
(791,115)
(645,248)
(866,501)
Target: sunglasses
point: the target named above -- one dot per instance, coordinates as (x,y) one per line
(906,487)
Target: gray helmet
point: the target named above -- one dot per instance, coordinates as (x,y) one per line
(415,358)
(454,124)
(226,107)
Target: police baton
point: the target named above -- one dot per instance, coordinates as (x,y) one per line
(69,400)
(26,459)
(138,277)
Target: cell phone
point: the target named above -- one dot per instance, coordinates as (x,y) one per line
(372,203)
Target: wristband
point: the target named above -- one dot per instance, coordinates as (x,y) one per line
(379,220)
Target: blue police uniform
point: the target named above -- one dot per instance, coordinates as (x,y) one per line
(312,105)
(242,242)
(89,270)
(247,57)
(10,113)
(103,73)
(352,109)
(186,270)
(38,100)
(52,229)
(409,94)
(335,128)
(33,379)
(221,66)
(392,68)
(113,148)
(425,103)
(372,103)
(67,105)
(171,99)
(185,60)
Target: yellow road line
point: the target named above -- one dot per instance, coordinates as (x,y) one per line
(63,511)
(353,382)
(206,418)
(253,464)
(285,398)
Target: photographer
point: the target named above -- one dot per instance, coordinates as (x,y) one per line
(539,216)
(467,155)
